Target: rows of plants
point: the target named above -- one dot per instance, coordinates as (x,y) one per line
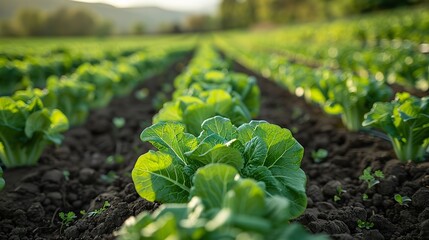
(218,174)
(34,71)
(360,101)
(34,118)
(397,58)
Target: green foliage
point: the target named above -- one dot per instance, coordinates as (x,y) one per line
(223,206)
(259,150)
(26,128)
(355,97)
(371,178)
(406,121)
(402,200)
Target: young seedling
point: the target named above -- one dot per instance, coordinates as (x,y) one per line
(66,219)
(66,174)
(340,192)
(109,178)
(371,179)
(402,200)
(96,212)
(115,159)
(142,94)
(119,122)
(319,155)
(364,224)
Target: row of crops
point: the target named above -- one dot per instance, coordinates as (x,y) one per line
(351,80)
(33,118)
(398,55)
(221,175)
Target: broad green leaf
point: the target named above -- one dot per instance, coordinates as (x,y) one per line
(219,154)
(37,122)
(59,122)
(220,126)
(255,151)
(171,137)
(246,198)
(195,115)
(293,187)
(212,182)
(10,114)
(245,131)
(159,177)
(283,149)
(220,100)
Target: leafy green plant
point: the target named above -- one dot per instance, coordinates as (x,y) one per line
(26,128)
(319,155)
(2,182)
(364,224)
(355,97)
(371,178)
(109,178)
(259,150)
(406,121)
(229,208)
(402,200)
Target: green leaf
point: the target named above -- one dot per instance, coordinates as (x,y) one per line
(246,198)
(219,154)
(170,137)
(159,176)
(10,114)
(37,122)
(220,126)
(255,151)
(212,182)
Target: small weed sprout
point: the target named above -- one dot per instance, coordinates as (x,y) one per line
(319,155)
(66,174)
(96,212)
(371,179)
(364,224)
(402,200)
(119,122)
(66,219)
(340,192)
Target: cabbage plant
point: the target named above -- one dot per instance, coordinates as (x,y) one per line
(406,121)
(26,128)
(259,150)
(223,205)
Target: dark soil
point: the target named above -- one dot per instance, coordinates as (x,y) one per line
(30,204)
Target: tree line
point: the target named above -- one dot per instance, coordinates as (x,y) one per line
(244,13)
(60,22)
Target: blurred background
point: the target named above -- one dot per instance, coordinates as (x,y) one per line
(25,18)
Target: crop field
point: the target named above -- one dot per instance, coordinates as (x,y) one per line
(312,131)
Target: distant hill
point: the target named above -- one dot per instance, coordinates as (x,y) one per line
(123,18)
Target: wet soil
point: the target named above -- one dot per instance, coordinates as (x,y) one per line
(79,175)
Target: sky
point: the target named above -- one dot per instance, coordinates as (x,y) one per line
(182,5)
